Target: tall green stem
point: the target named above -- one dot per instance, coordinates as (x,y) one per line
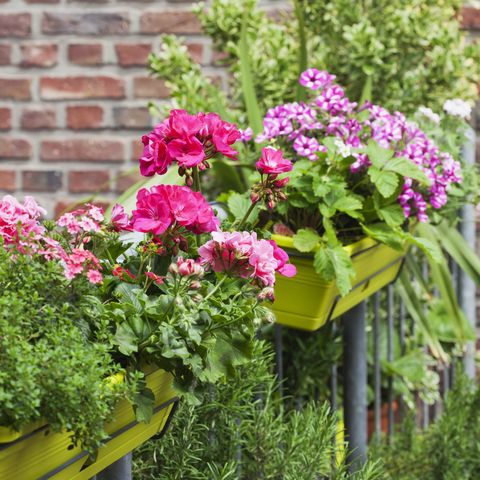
(245,218)
(217,286)
(196,179)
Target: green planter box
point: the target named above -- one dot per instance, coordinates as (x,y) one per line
(307,302)
(38,453)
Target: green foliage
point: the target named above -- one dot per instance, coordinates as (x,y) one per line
(413,52)
(48,370)
(241,431)
(447,450)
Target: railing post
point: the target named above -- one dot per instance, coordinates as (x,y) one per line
(120,470)
(466,286)
(355,384)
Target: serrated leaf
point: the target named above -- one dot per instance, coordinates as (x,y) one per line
(238,206)
(385,181)
(143,403)
(393,215)
(323,264)
(349,205)
(377,155)
(428,247)
(406,168)
(334,263)
(306,239)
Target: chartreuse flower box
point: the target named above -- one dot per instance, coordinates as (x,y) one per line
(39,453)
(307,302)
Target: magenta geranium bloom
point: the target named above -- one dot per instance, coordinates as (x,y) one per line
(153,214)
(272,162)
(188,152)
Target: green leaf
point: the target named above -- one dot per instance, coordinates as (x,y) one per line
(238,206)
(349,205)
(385,181)
(126,339)
(431,249)
(377,155)
(393,237)
(393,215)
(302,50)
(323,264)
(306,239)
(335,263)
(406,168)
(143,404)
(253,110)
(127,293)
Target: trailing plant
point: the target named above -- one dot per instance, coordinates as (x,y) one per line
(447,449)
(241,430)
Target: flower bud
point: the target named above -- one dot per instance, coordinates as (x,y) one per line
(195,285)
(266,294)
(282,182)
(173,268)
(271,204)
(254,197)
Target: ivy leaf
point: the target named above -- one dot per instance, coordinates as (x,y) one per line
(306,239)
(126,339)
(238,205)
(385,181)
(393,237)
(392,214)
(335,263)
(143,403)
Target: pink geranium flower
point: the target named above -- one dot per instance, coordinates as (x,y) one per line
(155,158)
(119,219)
(153,214)
(188,152)
(272,162)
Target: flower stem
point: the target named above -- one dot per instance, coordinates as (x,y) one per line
(196,179)
(217,286)
(245,218)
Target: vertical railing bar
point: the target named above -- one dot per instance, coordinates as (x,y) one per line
(119,470)
(401,328)
(390,329)
(425,406)
(376,365)
(334,376)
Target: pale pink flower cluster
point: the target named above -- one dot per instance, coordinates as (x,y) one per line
(242,254)
(20,228)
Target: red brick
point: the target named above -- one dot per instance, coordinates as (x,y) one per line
(133,54)
(38,118)
(183,22)
(15,25)
(85,53)
(81,87)
(471,18)
(8,180)
(39,55)
(5,118)
(148,87)
(86,149)
(41,181)
(196,52)
(85,23)
(15,148)
(5,54)
(125,180)
(89,181)
(132,118)
(81,117)
(15,88)
(137,150)
(68,205)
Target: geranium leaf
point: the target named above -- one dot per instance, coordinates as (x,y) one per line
(306,239)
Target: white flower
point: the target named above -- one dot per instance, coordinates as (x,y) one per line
(430,114)
(343,150)
(458,108)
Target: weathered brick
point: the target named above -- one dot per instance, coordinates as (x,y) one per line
(137,150)
(127,179)
(196,51)
(85,53)
(5,118)
(81,87)
(81,117)
(8,180)
(38,118)
(5,54)
(15,148)
(133,54)
(68,205)
(85,23)
(89,181)
(15,25)
(15,88)
(148,87)
(86,149)
(471,18)
(174,21)
(39,55)
(132,118)
(41,181)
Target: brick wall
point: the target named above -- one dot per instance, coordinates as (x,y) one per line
(74,89)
